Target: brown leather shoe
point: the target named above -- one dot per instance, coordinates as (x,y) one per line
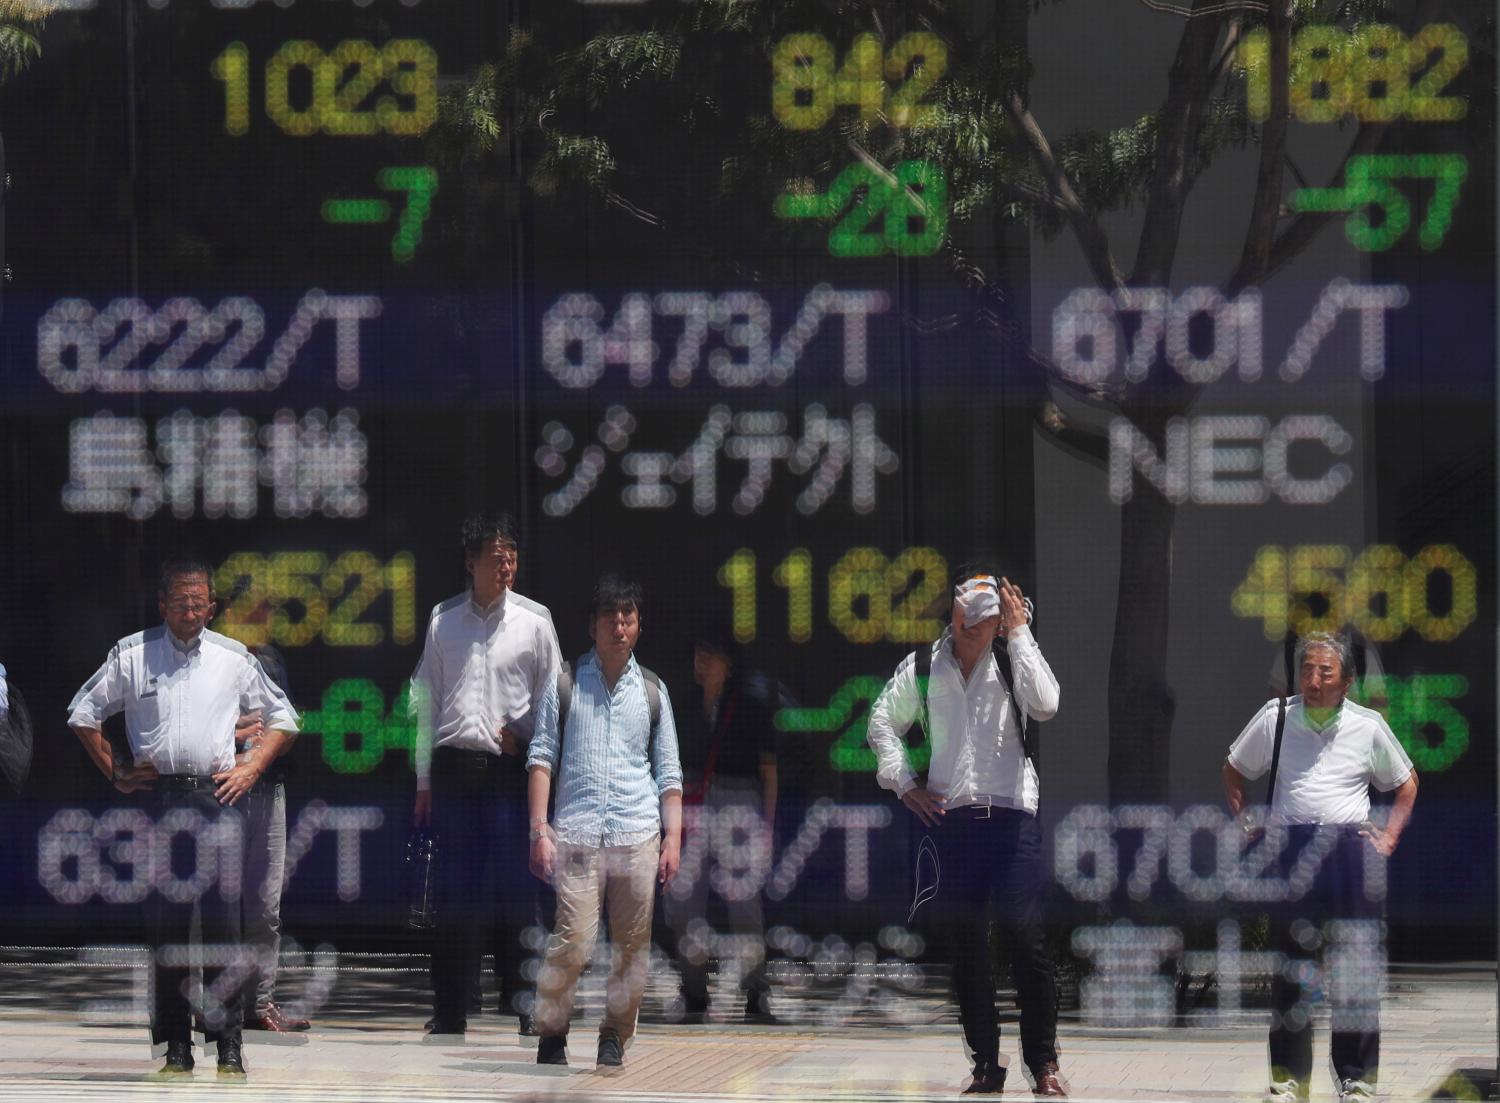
(1049,1081)
(272,1018)
(988,1079)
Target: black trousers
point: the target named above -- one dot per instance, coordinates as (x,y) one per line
(1337,918)
(995,860)
(485,891)
(169,921)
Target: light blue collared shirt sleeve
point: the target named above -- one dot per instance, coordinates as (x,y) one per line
(665,762)
(545,738)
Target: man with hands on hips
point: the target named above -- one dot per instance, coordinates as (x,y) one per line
(979,804)
(182,689)
(1327,753)
(608,737)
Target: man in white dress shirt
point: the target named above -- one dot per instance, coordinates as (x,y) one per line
(182,688)
(1332,751)
(488,657)
(979,803)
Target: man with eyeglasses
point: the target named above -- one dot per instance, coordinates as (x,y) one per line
(1324,753)
(488,657)
(979,804)
(182,688)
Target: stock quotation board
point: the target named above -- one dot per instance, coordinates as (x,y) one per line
(786,313)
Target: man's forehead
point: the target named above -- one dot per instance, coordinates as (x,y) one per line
(1330,655)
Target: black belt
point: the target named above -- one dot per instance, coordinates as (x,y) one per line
(474,760)
(985,811)
(187,783)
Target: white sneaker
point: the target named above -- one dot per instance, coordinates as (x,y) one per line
(1355,1091)
(1283,1091)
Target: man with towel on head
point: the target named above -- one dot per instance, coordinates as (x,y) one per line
(979,807)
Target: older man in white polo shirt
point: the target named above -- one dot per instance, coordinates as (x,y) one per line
(1331,751)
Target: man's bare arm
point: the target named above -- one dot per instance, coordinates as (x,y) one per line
(1406,797)
(127,780)
(1234,789)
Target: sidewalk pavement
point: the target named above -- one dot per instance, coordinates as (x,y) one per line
(57,1044)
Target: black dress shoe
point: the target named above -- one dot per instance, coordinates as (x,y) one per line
(694,1009)
(758,1009)
(438,1026)
(988,1079)
(611,1055)
(553,1050)
(527,1027)
(231,1061)
(179,1061)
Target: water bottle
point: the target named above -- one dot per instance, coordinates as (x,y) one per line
(421,874)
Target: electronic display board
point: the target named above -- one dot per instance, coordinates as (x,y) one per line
(785,313)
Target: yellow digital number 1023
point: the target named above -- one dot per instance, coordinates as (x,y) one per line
(871,598)
(293,599)
(341,82)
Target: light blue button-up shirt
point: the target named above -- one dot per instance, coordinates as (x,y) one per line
(612,773)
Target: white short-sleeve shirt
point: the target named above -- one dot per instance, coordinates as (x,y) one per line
(1324,776)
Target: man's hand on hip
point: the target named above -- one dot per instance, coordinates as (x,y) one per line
(235,783)
(927,806)
(1383,841)
(130,779)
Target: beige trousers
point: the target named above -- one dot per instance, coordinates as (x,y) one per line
(622,879)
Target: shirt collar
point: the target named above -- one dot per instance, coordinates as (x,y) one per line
(1328,724)
(497,609)
(591,660)
(185,648)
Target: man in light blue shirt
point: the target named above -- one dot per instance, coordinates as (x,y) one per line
(608,738)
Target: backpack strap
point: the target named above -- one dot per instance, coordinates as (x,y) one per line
(564,697)
(1002,666)
(1276,750)
(923,668)
(653,698)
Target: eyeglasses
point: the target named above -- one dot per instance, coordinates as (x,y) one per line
(182,606)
